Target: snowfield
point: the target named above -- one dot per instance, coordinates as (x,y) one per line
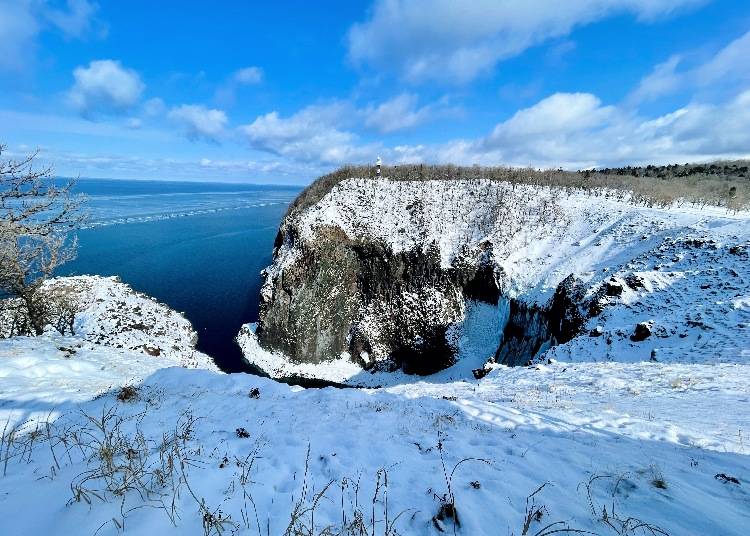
(644,441)
(610,433)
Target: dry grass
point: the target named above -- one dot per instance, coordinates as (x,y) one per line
(535,514)
(607,510)
(128,392)
(125,467)
(358,518)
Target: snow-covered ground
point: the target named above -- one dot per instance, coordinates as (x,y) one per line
(43,377)
(195,450)
(606,434)
(110,313)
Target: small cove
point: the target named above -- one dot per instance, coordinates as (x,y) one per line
(197,247)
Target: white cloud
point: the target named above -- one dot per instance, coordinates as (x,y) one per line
(325,133)
(129,166)
(76,20)
(199,121)
(729,62)
(561,113)
(572,130)
(226,94)
(154,107)
(310,135)
(728,68)
(105,86)
(454,42)
(661,81)
(248,75)
(402,112)
(21,21)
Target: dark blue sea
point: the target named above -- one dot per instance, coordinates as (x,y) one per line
(198,247)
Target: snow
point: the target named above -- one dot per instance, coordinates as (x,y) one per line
(277,365)
(644,425)
(42,377)
(540,234)
(595,427)
(111,313)
(693,296)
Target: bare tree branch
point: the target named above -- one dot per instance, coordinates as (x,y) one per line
(38,218)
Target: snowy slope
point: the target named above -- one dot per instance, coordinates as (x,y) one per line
(243,453)
(42,377)
(120,338)
(111,313)
(541,234)
(604,434)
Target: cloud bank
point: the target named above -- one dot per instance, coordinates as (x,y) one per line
(454,42)
(199,122)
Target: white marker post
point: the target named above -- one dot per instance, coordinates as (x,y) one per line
(377,166)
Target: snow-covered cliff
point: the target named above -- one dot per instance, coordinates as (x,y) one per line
(110,313)
(421,276)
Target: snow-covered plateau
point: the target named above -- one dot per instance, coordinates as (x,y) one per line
(631,418)
(448,275)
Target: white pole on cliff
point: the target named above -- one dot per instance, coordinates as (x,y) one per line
(377,166)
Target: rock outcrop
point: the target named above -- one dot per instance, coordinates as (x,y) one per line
(383,308)
(415,276)
(385,282)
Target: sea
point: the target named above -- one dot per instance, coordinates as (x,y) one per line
(198,247)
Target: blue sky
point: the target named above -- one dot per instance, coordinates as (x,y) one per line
(244,91)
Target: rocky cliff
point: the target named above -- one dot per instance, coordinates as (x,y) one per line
(104,311)
(419,276)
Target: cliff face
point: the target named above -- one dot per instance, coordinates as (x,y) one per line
(384,308)
(382,272)
(416,276)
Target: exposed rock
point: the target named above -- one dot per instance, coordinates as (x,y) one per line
(727,479)
(532,329)
(526,332)
(152,350)
(598,331)
(635,282)
(613,287)
(481,372)
(362,298)
(565,316)
(642,331)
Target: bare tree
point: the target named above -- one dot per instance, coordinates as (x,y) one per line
(37,217)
